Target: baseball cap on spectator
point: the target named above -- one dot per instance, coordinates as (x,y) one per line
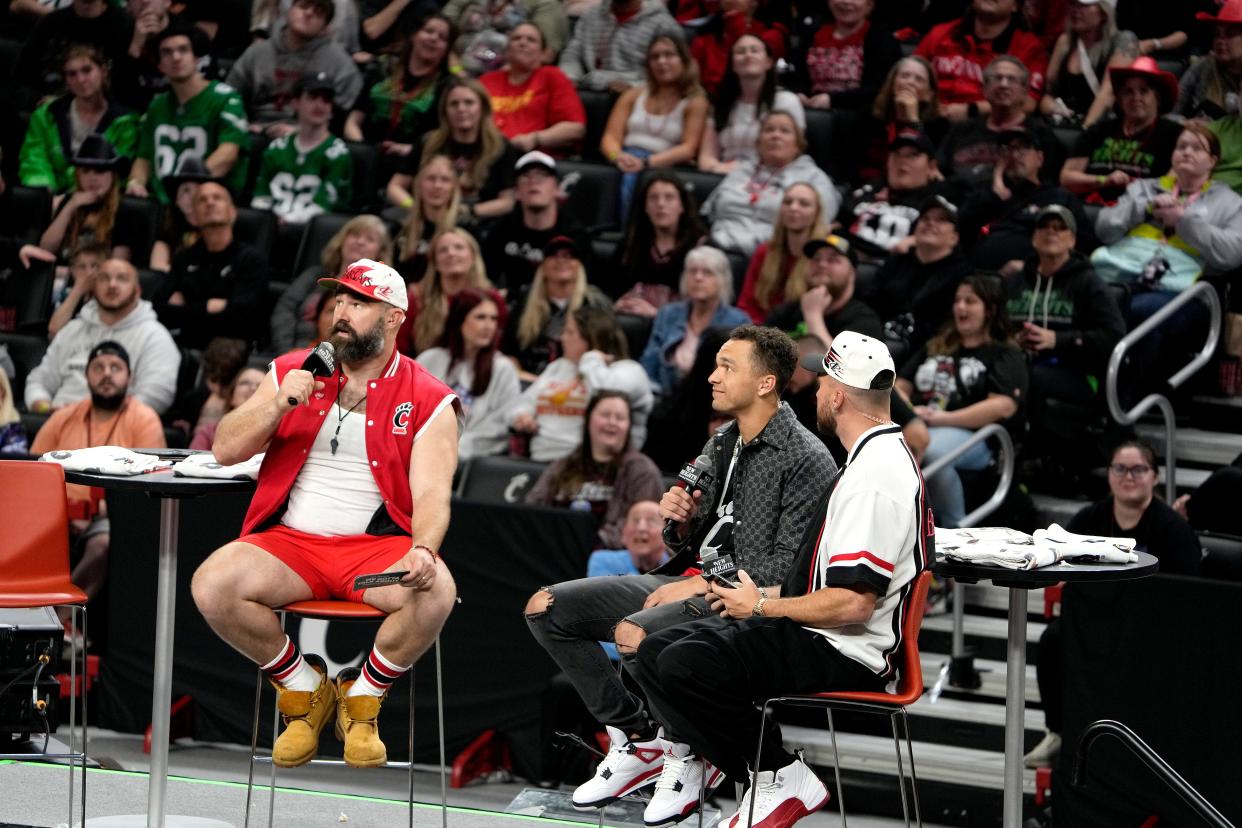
(314,82)
(535,160)
(1163,83)
(938,202)
(855,360)
(913,138)
(1022,134)
(111,347)
(1230,12)
(97,153)
(374,280)
(558,243)
(837,243)
(1059,211)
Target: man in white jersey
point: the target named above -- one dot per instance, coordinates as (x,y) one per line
(836,624)
(356,479)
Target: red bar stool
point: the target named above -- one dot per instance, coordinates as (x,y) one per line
(893,705)
(344,611)
(34,558)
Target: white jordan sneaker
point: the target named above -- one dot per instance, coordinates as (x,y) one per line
(1044,755)
(681,782)
(627,767)
(784,797)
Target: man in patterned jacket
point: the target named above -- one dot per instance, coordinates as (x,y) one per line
(356,479)
(768,472)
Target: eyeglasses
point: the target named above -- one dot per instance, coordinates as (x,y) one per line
(1132,472)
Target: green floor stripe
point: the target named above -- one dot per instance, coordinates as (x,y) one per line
(353,797)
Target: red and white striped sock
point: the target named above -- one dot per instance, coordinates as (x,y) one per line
(291,671)
(378,674)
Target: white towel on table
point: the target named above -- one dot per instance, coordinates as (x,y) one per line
(993,546)
(205,465)
(1086,547)
(106,460)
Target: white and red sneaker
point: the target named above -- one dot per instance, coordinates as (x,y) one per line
(627,767)
(784,797)
(681,783)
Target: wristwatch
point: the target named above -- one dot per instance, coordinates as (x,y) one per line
(757,611)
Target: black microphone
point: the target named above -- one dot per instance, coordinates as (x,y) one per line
(692,478)
(321,362)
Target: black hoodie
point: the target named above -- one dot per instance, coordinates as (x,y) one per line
(1076,304)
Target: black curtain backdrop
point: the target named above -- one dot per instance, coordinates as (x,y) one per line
(495,674)
(1162,656)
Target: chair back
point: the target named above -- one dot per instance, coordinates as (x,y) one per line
(34,554)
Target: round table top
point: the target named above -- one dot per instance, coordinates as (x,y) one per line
(162,483)
(1146,565)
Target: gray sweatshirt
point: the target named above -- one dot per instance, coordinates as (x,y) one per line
(742,210)
(601,51)
(153,356)
(1211,224)
(265,74)
(487,426)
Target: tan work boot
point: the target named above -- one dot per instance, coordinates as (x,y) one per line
(304,715)
(357,723)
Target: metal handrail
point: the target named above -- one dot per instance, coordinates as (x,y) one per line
(1199,290)
(1154,763)
(1007,462)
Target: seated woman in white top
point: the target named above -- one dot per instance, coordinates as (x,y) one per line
(747,92)
(467,361)
(742,210)
(660,123)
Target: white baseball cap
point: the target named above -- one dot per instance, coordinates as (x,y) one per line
(855,360)
(374,280)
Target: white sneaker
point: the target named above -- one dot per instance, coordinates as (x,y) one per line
(681,783)
(627,767)
(1045,753)
(784,797)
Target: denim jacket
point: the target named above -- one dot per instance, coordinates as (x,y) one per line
(669,329)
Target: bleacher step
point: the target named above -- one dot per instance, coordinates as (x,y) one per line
(1196,445)
(993,597)
(985,636)
(991,674)
(984,713)
(967,767)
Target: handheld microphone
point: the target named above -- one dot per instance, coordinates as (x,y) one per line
(719,568)
(692,478)
(321,362)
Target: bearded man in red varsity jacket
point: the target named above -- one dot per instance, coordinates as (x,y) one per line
(356,479)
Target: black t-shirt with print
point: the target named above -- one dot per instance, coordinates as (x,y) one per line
(855,316)
(966,376)
(499,176)
(1149,154)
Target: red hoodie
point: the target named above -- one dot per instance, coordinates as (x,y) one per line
(959,59)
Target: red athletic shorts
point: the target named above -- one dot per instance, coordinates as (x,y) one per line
(330,564)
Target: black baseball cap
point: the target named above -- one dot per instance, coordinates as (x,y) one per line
(109,346)
(838,243)
(562,242)
(1027,136)
(913,138)
(938,202)
(314,82)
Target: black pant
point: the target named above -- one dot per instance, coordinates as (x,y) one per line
(707,680)
(1048,675)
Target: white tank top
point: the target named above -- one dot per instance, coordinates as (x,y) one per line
(654,133)
(335,495)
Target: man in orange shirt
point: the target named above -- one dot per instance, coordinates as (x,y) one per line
(109,417)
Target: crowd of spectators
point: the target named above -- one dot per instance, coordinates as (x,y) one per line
(997,189)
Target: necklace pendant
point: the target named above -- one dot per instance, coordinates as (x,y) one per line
(334,444)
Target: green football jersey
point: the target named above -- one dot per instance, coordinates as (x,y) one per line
(297,185)
(170,132)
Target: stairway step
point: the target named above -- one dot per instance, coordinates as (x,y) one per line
(984,713)
(990,596)
(967,767)
(986,636)
(991,673)
(1196,445)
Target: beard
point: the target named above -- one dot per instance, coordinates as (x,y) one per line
(108,402)
(354,347)
(825,421)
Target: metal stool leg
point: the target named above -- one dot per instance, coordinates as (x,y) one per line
(254,745)
(914,779)
(901,770)
(440,726)
(271,780)
(85,679)
(836,768)
(410,749)
(73,682)
(754,771)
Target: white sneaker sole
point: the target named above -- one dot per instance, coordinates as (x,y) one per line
(647,778)
(716,779)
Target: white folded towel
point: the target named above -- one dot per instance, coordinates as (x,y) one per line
(1086,547)
(106,460)
(205,465)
